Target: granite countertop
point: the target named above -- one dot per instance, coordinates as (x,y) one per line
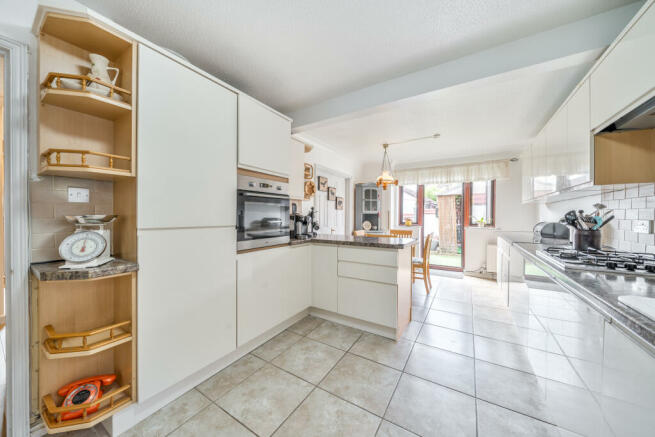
(50,271)
(601,291)
(348,240)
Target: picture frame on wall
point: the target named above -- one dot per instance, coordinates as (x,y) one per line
(332,193)
(322,183)
(339,203)
(309,171)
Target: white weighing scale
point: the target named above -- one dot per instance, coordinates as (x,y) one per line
(90,244)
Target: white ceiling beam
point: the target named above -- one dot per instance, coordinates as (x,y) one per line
(583,36)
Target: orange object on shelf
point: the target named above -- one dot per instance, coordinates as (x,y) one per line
(83,391)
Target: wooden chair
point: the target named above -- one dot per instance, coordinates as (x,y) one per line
(360,233)
(403,233)
(421,266)
(380,235)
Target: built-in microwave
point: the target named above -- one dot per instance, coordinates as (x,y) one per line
(262,212)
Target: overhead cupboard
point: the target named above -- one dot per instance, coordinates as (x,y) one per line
(573,150)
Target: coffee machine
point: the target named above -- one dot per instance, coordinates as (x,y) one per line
(304,226)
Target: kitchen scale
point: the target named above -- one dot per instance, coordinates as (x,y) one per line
(90,244)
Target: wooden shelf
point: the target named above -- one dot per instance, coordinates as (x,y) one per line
(79,344)
(85,102)
(110,402)
(83,172)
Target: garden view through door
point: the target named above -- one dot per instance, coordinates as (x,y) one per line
(443,213)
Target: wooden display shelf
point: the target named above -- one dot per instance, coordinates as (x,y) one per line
(110,402)
(78,344)
(83,164)
(85,102)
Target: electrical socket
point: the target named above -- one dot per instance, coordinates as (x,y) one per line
(78,195)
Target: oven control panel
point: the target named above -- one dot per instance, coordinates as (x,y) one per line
(251,183)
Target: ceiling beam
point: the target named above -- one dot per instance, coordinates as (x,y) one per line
(583,36)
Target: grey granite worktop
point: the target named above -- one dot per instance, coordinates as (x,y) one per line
(348,240)
(50,271)
(601,291)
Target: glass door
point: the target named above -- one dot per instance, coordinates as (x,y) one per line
(443,216)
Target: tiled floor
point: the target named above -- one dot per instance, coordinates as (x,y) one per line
(466,366)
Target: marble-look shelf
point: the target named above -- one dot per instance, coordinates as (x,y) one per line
(50,271)
(347,240)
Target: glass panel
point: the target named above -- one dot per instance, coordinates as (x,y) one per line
(410,203)
(481,203)
(261,217)
(442,216)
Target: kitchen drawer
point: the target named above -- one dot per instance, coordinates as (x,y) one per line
(368,272)
(379,257)
(369,301)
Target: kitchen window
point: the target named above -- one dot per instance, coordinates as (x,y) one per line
(482,203)
(410,204)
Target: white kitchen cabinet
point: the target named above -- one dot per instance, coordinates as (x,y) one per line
(578,137)
(626,73)
(544,183)
(264,138)
(186,304)
(324,277)
(296,170)
(370,301)
(527,175)
(186,147)
(556,150)
(262,279)
(298,279)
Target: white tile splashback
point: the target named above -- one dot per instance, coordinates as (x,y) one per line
(631,203)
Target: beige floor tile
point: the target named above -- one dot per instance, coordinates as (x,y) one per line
(276,345)
(448,339)
(388,429)
(445,319)
(212,421)
(383,350)
(325,415)
(228,378)
(412,330)
(443,367)
(170,417)
(264,400)
(96,431)
(309,359)
(419,313)
(362,382)
(495,421)
(431,410)
(306,325)
(336,335)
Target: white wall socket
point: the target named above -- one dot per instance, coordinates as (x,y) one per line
(78,195)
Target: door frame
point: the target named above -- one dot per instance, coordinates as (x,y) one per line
(17,233)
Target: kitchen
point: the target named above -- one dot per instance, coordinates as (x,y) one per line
(353,262)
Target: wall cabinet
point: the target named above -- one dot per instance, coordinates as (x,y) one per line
(187,147)
(264,138)
(578,138)
(187,301)
(626,73)
(296,170)
(324,277)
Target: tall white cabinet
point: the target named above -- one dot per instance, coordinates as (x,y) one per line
(187,141)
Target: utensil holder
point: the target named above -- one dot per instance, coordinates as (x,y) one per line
(583,240)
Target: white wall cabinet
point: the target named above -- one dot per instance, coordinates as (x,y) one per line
(626,73)
(324,277)
(187,302)
(264,138)
(296,170)
(578,137)
(556,150)
(186,147)
(527,175)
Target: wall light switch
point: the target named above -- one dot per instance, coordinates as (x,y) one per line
(78,195)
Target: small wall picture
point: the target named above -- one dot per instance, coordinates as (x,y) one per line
(339,203)
(332,193)
(322,183)
(309,171)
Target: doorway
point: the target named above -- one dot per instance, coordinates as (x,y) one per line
(443,217)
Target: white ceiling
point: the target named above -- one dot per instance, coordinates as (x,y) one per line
(497,116)
(294,53)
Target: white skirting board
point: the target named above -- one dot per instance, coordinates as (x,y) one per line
(354,323)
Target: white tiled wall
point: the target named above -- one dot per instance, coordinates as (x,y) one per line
(632,204)
(49,205)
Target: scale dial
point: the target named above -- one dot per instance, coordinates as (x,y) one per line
(82,246)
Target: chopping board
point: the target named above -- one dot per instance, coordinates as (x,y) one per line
(644,305)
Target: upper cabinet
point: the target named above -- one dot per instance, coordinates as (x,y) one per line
(296,170)
(626,73)
(264,138)
(187,147)
(578,137)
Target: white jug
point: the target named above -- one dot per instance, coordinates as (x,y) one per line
(100,69)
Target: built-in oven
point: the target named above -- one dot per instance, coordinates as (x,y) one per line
(262,212)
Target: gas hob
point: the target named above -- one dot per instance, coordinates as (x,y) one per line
(601,261)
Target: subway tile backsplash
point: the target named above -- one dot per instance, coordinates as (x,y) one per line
(634,211)
(49,205)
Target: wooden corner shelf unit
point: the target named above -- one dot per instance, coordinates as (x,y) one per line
(78,344)
(97,118)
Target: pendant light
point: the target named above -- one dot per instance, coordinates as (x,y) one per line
(386,177)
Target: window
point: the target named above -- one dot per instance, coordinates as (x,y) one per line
(482,203)
(410,204)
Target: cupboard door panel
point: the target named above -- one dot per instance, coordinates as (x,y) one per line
(557,160)
(578,137)
(626,73)
(187,303)
(263,137)
(186,147)
(297,170)
(370,301)
(298,281)
(324,277)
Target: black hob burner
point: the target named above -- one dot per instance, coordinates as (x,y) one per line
(600,260)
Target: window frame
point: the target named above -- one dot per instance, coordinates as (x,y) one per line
(469,205)
(419,206)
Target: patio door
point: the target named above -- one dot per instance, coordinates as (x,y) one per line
(443,217)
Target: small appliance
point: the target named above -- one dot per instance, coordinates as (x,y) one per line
(305,226)
(90,244)
(550,233)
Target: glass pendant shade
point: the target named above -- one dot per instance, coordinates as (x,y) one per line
(386,178)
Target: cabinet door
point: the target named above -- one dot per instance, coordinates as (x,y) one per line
(557,159)
(370,301)
(263,137)
(627,73)
(187,303)
(296,170)
(298,280)
(261,278)
(324,277)
(187,141)
(527,190)
(578,137)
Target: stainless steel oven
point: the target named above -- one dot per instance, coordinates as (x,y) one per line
(262,212)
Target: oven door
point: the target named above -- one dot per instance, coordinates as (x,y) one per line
(262,219)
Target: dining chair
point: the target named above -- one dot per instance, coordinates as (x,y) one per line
(380,235)
(359,233)
(405,233)
(421,266)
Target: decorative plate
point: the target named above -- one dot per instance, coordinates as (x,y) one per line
(310,189)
